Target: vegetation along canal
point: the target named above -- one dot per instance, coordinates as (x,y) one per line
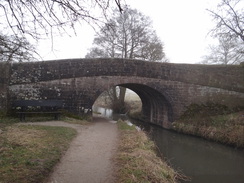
(202,160)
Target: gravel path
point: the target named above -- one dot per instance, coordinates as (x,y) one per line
(89,158)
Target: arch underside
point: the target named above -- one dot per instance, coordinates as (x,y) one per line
(155,107)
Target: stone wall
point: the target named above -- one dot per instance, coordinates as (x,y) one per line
(220,76)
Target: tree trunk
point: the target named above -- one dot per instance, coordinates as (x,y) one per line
(122,92)
(118,100)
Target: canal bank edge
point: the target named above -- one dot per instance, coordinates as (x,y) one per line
(138,159)
(213,122)
(210,121)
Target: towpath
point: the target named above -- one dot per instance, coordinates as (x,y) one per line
(89,158)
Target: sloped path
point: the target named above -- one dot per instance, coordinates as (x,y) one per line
(89,158)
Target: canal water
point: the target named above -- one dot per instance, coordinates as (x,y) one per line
(202,160)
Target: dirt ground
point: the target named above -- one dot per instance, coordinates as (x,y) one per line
(89,158)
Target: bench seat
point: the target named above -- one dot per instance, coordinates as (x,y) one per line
(38,107)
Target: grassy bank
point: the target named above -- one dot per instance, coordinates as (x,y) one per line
(212,122)
(138,161)
(28,153)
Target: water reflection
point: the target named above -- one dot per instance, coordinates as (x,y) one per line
(108,113)
(204,161)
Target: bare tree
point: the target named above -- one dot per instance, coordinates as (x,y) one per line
(127,35)
(15,49)
(25,19)
(36,18)
(229,18)
(228,51)
(229,30)
(152,50)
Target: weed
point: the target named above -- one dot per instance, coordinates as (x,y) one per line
(226,128)
(138,161)
(123,126)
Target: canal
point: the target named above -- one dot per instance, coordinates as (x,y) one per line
(202,160)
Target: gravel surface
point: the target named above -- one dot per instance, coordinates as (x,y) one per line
(89,158)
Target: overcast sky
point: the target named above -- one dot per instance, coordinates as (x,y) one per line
(181,25)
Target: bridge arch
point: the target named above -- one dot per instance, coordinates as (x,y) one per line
(156,108)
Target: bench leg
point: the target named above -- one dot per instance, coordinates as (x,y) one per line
(56,116)
(22,117)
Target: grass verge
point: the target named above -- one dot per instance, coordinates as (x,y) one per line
(28,153)
(213,123)
(138,161)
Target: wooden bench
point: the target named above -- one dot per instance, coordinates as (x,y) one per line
(24,107)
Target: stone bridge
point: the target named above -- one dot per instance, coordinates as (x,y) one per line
(165,89)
